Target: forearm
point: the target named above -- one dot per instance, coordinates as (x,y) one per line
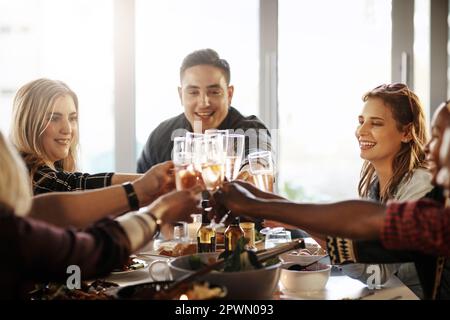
(119,178)
(80,209)
(353,219)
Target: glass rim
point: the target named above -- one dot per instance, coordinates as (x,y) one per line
(259,153)
(236,135)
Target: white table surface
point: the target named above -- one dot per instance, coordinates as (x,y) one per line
(338,287)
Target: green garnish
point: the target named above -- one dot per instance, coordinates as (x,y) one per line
(240,259)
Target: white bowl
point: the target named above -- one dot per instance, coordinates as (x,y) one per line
(314,279)
(305,256)
(252,284)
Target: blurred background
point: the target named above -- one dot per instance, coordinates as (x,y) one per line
(301,66)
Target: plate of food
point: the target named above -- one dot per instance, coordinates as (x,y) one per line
(156,291)
(133,264)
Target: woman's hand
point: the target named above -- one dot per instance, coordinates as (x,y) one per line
(159,180)
(177,205)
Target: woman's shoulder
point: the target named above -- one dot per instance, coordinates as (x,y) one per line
(415,185)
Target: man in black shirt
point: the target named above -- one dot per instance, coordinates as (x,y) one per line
(206,95)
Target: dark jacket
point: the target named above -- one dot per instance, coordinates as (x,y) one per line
(158,147)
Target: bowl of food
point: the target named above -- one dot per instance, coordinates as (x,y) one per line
(248,283)
(303,257)
(297,278)
(159,291)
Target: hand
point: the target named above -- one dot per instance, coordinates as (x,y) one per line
(159,180)
(235,198)
(256,191)
(177,205)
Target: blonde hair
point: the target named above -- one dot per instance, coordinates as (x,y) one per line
(32,104)
(15,187)
(408,114)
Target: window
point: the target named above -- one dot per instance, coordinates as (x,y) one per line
(68,40)
(327,61)
(166,31)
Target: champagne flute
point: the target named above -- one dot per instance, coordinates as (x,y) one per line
(213,164)
(261,169)
(186,175)
(233,156)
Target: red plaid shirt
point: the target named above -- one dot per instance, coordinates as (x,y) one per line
(422,225)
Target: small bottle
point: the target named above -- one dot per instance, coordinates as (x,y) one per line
(249,233)
(206,235)
(232,234)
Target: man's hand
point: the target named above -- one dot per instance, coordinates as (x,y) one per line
(235,198)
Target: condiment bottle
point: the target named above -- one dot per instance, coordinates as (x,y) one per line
(206,234)
(232,234)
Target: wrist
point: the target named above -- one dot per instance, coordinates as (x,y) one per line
(132,197)
(156,221)
(157,209)
(140,189)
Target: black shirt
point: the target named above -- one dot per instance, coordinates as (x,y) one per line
(158,147)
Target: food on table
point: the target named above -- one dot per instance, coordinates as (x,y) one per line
(309,251)
(131,264)
(203,291)
(176,249)
(97,290)
(161,291)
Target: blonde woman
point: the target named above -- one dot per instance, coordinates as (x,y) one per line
(45,132)
(34,250)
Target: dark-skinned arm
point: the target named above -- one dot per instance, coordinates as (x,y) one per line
(355,219)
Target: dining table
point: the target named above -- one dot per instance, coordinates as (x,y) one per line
(339,286)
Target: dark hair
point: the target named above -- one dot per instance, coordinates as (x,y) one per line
(208,57)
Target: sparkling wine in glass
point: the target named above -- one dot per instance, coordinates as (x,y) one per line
(213,162)
(186,174)
(233,156)
(261,169)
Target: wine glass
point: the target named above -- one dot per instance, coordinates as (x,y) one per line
(261,169)
(186,175)
(233,155)
(213,162)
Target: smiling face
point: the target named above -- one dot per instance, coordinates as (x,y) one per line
(205,95)
(438,124)
(61,129)
(378,134)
